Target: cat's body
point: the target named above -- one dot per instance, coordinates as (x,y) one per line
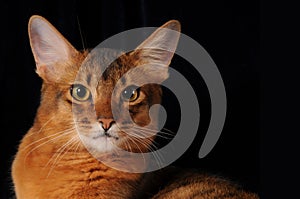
(56,158)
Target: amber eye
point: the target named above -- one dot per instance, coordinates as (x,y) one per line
(80,93)
(131,93)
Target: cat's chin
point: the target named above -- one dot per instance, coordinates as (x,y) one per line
(100,143)
(97,140)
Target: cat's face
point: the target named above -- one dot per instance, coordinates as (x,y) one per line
(99,105)
(98,92)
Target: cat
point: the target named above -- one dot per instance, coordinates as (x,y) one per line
(58,157)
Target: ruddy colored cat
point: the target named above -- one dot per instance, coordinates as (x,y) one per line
(54,158)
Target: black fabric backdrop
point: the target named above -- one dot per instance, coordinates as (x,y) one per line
(228,30)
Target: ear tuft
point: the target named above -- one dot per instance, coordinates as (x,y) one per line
(161,45)
(173,25)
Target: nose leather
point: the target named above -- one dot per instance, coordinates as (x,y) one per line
(106,123)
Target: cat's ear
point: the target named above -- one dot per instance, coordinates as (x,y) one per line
(160,46)
(49,48)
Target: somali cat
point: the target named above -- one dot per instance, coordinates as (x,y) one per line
(58,157)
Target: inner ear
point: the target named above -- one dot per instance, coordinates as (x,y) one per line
(49,47)
(161,45)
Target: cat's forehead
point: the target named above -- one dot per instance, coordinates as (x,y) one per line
(104,67)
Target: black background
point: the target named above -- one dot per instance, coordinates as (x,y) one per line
(228,30)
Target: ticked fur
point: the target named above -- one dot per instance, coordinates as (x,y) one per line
(52,160)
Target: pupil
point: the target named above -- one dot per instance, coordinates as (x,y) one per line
(81,92)
(128,93)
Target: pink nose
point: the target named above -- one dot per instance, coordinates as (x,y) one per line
(106,123)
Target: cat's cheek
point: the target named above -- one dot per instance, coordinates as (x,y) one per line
(142,118)
(87,129)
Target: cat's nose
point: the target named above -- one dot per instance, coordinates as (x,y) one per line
(106,123)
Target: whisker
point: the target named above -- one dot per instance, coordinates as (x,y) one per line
(155,131)
(142,141)
(57,152)
(156,154)
(52,135)
(151,132)
(144,131)
(134,133)
(77,147)
(152,149)
(61,153)
(81,35)
(172,132)
(44,125)
(152,145)
(127,146)
(59,136)
(133,141)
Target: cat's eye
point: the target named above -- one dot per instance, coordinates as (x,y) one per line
(80,92)
(131,93)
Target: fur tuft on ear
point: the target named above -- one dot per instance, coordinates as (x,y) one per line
(49,47)
(161,45)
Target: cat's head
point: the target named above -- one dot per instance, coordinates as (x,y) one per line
(80,90)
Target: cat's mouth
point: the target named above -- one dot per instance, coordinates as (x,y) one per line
(98,140)
(105,134)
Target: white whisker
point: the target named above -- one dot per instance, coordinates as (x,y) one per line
(133,141)
(149,131)
(61,153)
(44,125)
(49,136)
(57,152)
(66,132)
(152,148)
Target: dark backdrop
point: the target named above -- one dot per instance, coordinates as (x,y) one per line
(228,30)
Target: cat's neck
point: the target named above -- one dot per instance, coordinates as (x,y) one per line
(76,165)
